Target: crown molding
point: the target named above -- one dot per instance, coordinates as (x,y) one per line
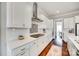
(70,14)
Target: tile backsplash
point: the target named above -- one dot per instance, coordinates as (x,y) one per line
(12,34)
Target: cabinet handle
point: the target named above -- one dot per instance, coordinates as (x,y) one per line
(22,49)
(22,53)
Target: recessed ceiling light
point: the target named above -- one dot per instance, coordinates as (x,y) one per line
(57,11)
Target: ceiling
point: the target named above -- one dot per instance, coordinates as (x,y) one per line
(58,8)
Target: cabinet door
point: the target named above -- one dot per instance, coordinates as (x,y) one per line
(41,25)
(48,24)
(66,22)
(18,14)
(21,51)
(29,14)
(51,24)
(45,20)
(77,19)
(72,49)
(40,45)
(10,15)
(34,48)
(69,22)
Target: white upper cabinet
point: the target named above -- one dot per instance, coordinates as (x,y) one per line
(69,22)
(41,16)
(42,24)
(50,24)
(45,23)
(19,14)
(77,19)
(66,23)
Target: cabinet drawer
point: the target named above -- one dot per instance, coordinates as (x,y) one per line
(34,48)
(20,50)
(23,53)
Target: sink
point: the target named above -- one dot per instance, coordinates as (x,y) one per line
(36,35)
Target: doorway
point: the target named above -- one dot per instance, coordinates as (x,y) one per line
(58,32)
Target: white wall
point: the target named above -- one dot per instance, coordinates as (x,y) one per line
(3,28)
(0,28)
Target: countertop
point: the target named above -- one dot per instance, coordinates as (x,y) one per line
(16,43)
(73,39)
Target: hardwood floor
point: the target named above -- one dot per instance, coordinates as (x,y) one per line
(55,51)
(64,49)
(46,50)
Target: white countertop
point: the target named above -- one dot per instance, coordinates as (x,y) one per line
(72,37)
(16,43)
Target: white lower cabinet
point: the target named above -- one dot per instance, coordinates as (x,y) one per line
(21,51)
(40,48)
(72,49)
(41,44)
(33,48)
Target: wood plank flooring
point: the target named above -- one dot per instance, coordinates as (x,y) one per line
(46,50)
(64,49)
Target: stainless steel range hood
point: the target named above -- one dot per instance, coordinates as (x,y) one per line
(35,18)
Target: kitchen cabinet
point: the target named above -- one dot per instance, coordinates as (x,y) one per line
(19,15)
(46,22)
(47,39)
(34,48)
(42,24)
(31,48)
(69,22)
(66,21)
(21,51)
(77,19)
(72,49)
(40,44)
(49,23)
(65,37)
